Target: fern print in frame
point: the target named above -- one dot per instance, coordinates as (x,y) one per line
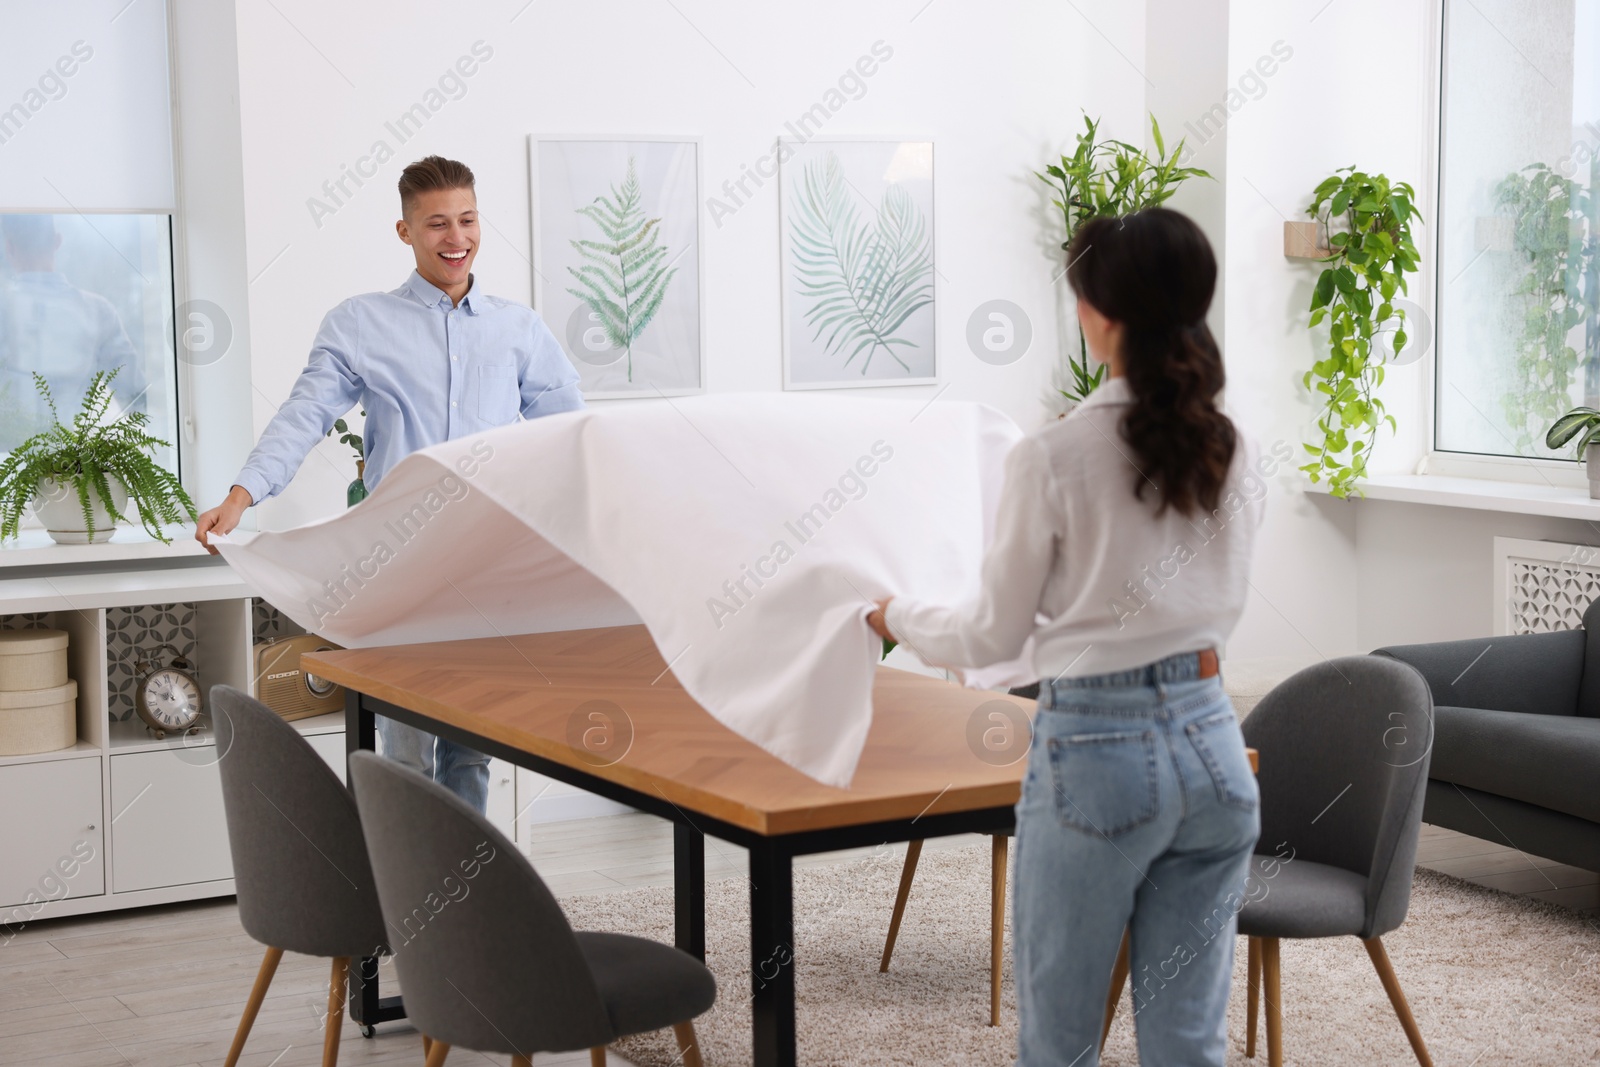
(625,276)
(616,260)
(858,263)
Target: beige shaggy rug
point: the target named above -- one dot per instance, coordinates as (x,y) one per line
(1492,978)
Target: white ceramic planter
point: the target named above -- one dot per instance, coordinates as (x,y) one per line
(58,507)
(1591,467)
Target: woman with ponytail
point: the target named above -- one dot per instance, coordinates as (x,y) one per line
(1120,563)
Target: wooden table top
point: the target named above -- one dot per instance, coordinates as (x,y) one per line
(523,691)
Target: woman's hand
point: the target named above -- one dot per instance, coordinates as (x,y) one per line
(878,620)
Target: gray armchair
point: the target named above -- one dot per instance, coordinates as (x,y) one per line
(1517,738)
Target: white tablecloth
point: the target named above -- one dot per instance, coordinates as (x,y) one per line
(748,532)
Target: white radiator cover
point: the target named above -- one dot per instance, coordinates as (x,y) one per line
(1541,586)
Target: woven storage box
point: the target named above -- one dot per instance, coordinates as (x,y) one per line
(32,659)
(38,720)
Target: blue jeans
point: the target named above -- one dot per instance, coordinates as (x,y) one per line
(462,770)
(1138,810)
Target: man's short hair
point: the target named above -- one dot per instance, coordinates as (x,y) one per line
(430,173)
(29,234)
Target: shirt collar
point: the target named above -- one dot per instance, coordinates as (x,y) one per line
(430,295)
(1110,391)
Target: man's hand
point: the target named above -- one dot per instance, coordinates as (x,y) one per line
(877,620)
(222,518)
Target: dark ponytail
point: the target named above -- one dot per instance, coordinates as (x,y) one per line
(1154,273)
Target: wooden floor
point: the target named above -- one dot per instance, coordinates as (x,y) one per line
(162,987)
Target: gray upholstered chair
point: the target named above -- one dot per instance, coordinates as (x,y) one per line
(486,958)
(1344,750)
(300,865)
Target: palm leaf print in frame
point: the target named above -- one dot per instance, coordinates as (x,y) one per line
(863,280)
(625,276)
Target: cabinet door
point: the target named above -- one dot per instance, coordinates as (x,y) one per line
(331,748)
(51,837)
(502,800)
(168,825)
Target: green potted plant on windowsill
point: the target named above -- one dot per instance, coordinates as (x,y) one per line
(1584,425)
(356,491)
(79,477)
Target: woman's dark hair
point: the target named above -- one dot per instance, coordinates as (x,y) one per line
(1154,273)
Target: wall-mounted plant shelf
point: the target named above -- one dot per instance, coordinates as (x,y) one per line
(1305,240)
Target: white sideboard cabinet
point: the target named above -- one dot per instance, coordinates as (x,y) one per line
(123,819)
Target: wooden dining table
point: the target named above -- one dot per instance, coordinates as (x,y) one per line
(600,709)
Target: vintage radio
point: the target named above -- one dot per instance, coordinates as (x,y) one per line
(286,688)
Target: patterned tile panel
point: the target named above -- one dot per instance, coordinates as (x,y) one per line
(135,632)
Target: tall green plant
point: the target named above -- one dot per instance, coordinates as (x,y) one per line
(1355,294)
(1109,178)
(86,456)
(864,280)
(1556,233)
(625,277)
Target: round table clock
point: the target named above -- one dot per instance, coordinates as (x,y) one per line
(167,698)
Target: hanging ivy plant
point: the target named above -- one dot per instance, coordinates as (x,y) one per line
(1553,220)
(1355,293)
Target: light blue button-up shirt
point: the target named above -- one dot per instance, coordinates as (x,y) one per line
(425,372)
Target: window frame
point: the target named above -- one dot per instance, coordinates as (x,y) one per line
(1489,466)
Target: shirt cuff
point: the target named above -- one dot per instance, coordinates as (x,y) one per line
(254,484)
(894,617)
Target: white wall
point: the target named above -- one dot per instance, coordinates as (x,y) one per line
(318,82)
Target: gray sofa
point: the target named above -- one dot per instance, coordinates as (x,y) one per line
(1516,756)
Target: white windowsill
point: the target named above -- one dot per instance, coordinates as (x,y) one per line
(33,548)
(1481,494)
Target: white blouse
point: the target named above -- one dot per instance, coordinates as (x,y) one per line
(1090,573)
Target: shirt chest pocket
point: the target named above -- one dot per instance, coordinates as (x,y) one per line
(499,399)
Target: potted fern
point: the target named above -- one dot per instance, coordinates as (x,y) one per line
(79,477)
(1583,424)
(1109,178)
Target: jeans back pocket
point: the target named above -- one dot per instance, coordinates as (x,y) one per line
(1105,784)
(1220,746)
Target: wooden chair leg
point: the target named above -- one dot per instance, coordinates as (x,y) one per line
(1271,993)
(1391,985)
(436,1054)
(522,1061)
(688,1044)
(427,1046)
(1119,978)
(907,873)
(258,993)
(997,924)
(597,1056)
(336,992)
(1253,985)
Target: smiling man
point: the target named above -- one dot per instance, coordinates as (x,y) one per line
(431,361)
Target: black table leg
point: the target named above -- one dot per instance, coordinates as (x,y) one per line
(367,1009)
(772,953)
(689,889)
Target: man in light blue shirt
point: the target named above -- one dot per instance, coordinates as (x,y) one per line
(431,361)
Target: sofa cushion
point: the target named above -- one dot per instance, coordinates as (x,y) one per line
(1549,760)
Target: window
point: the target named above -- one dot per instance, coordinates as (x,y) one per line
(86,213)
(1518,335)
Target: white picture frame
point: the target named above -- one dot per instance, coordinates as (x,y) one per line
(827,344)
(578,183)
